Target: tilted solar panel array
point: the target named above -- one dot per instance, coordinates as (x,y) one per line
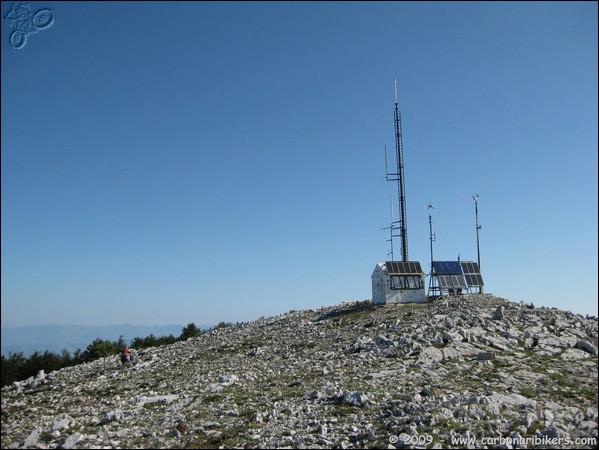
(447,268)
(403,267)
(449,275)
(472,274)
(452,282)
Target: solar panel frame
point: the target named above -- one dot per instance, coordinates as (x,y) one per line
(472,274)
(449,281)
(403,268)
(447,268)
(470,267)
(474,280)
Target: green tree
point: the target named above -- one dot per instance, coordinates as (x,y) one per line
(12,367)
(166,340)
(189,331)
(120,344)
(100,349)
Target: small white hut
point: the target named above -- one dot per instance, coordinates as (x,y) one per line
(398,282)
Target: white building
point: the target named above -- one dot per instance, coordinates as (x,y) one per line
(398,282)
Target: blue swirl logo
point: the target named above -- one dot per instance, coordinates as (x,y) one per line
(25,22)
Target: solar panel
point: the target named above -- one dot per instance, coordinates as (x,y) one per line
(451,282)
(474,280)
(447,268)
(470,267)
(472,274)
(403,267)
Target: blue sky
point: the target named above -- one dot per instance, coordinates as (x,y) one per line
(168,163)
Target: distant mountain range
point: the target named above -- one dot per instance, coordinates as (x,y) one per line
(56,338)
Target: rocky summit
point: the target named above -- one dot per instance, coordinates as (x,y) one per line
(470,372)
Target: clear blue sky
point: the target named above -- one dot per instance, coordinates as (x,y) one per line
(168,163)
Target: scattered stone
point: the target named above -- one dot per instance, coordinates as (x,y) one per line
(355,399)
(32,439)
(347,376)
(587,347)
(72,440)
(485,356)
(498,314)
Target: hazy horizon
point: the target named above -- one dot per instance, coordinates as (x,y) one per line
(55,338)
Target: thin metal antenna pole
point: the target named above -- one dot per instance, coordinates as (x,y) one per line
(432,239)
(475,198)
(386,168)
(391,225)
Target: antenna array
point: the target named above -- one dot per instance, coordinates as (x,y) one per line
(398,176)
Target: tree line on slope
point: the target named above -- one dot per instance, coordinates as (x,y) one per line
(16,367)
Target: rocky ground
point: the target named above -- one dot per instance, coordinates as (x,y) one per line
(478,372)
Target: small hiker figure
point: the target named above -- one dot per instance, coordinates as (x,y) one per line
(127,356)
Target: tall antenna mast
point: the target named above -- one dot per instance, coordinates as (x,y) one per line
(475,198)
(432,238)
(399,177)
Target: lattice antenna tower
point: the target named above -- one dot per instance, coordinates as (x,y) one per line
(398,176)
